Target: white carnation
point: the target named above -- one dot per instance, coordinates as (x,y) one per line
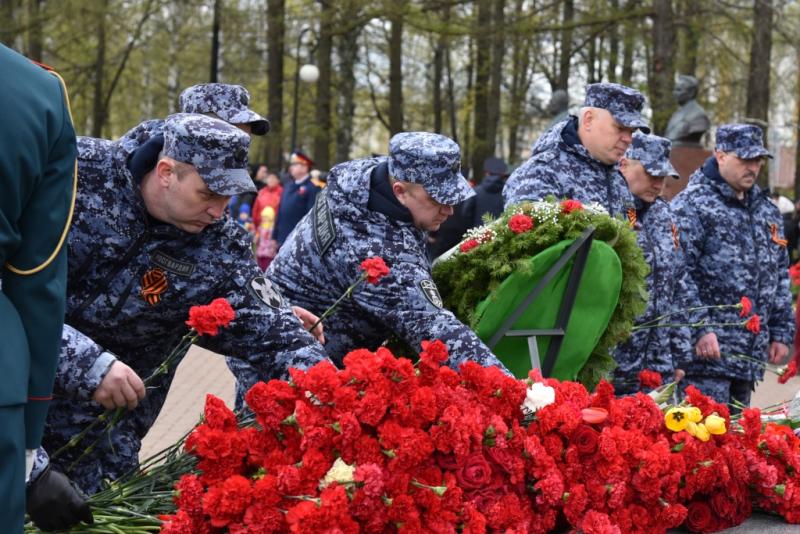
(538,396)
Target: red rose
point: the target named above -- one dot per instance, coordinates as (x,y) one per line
(520,223)
(210,318)
(468,245)
(585,439)
(649,379)
(747,307)
(699,517)
(568,206)
(375,268)
(474,472)
(753,324)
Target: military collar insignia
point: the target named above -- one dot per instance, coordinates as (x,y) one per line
(324,229)
(154,284)
(267,292)
(431,292)
(170,264)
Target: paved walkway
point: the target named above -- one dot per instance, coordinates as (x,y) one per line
(203,372)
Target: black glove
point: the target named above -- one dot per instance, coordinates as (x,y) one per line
(54,503)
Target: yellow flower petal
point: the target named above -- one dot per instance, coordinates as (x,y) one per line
(694,413)
(676,419)
(702,432)
(715,424)
(691,428)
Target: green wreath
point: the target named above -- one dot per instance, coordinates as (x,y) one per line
(488,255)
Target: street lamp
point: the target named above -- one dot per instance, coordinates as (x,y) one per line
(308,73)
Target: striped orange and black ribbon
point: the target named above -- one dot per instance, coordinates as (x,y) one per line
(675,239)
(631,217)
(773,229)
(154,283)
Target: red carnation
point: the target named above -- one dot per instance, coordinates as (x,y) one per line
(789,372)
(747,307)
(375,268)
(520,223)
(568,206)
(210,318)
(649,379)
(585,439)
(753,324)
(468,245)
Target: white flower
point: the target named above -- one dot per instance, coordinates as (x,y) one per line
(339,472)
(538,396)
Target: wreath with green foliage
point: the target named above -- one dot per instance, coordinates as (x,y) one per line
(490,253)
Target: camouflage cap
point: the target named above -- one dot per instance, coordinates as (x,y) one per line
(652,152)
(228,102)
(624,104)
(431,160)
(217,150)
(744,140)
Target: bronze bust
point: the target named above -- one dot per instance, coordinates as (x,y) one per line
(690,121)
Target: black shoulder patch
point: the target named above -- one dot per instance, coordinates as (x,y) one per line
(266,292)
(168,263)
(431,292)
(324,230)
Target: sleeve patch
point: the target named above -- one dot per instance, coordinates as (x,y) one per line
(431,292)
(266,291)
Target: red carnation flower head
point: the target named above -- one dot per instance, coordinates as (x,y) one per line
(520,223)
(794,273)
(649,379)
(468,245)
(434,351)
(375,268)
(210,318)
(753,324)
(570,205)
(747,307)
(789,372)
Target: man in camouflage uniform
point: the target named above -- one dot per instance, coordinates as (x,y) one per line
(577,158)
(383,207)
(645,166)
(732,236)
(148,242)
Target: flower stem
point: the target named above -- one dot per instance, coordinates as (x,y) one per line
(327,313)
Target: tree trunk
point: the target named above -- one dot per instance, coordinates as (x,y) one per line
(519,74)
(396,73)
(689,37)
(613,46)
(35,24)
(438,71)
(451,96)
(213,74)
(496,76)
(565,54)
(662,70)
(98,110)
(10,27)
(481,145)
(628,42)
(348,56)
(797,133)
(322,128)
(760,51)
(276,29)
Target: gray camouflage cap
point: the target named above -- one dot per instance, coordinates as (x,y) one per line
(624,104)
(228,102)
(431,160)
(652,152)
(744,140)
(217,150)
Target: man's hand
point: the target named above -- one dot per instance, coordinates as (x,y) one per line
(55,504)
(777,352)
(121,387)
(707,347)
(308,319)
(679,374)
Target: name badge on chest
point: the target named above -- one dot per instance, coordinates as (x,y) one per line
(324,230)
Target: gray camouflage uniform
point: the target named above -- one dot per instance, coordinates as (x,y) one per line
(734,248)
(560,165)
(321,258)
(113,244)
(669,286)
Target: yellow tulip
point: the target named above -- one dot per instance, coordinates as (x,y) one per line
(702,432)
(676,419)
(694,413)
(691,428)
(715,424)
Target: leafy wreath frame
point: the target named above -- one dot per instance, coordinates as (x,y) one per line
(490,253)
